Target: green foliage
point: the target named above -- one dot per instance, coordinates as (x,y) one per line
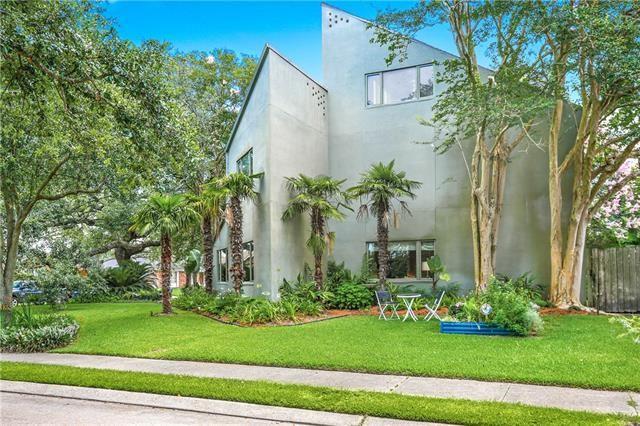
(29,332)
(511,307)
(130,277)
(350,295)
(165,214)
(528,285)
(631,327)
(58,285)
(246,310)
(303,289)
(379,187)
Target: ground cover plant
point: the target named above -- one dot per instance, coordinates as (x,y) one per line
(573,350)
(504,303)
(36,332)
(310,397)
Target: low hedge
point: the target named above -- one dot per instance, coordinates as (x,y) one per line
(38,334)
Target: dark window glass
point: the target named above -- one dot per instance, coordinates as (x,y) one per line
(247,260)
(222,266)
(245,163)
(403,259)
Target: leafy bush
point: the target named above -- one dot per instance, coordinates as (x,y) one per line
(129,278)
(303,289)
(350,295)
(30,332)
(511,308)
(58,285)
(246,310)
(631,327)
(528,285)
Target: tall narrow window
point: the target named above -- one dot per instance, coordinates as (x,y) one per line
(247,260)
(374,89)
(245,163)
(426,81)
(222,266)
(427,251)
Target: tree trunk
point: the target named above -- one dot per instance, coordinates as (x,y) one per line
(165,273)
(9,269)
(317,228)
(235,234)
(383,249)
(557,284)
(207,250)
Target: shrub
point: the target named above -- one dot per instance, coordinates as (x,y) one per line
(631,327)
(193,298)
(350,295)
(303,289)
(58,285)
(37,332)
(129,278)
(511,308)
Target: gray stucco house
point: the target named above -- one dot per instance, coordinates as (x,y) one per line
(365,112)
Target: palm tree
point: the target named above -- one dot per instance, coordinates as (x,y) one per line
(167,215)
(380,188)
(210,204)
(236,188)
(322,197)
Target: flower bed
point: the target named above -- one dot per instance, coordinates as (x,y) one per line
(37,333)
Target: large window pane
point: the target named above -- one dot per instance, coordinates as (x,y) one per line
(374,88)
(245,163)
(402,258)
(247,260)
(222,265)
(426,81)
(399,85)
(427,252)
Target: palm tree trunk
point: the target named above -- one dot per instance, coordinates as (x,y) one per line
(317,227)
(207,250)
(237,271)
(165,273)
(383,250)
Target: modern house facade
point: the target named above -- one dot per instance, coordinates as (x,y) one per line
(362,113)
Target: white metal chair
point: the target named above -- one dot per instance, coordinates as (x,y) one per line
(385,301)
(433,310)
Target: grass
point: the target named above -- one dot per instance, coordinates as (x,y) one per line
(578,351)
(309,397)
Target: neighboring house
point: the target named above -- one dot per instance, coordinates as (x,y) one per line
(365,112)
(179,277)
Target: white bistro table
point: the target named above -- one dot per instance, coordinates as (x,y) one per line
(408,300)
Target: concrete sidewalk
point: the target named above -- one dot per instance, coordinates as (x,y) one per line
(36,403)
(544,396)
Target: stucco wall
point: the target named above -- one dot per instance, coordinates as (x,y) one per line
(361,135)
(284,122)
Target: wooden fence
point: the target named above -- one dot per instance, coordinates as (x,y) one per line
(613,281)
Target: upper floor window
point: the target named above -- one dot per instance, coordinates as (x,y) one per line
(401,85)
(245,163)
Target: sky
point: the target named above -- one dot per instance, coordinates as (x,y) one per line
(293,28)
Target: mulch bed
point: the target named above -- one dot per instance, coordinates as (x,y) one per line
(558,311)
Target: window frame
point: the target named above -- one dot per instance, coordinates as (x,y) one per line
(418,248)
(252,268)
(249,153)
(417,97)
(226,265)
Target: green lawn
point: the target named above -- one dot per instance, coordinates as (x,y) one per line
(309,397)
(580,351)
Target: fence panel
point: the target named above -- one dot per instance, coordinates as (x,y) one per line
(614,279)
